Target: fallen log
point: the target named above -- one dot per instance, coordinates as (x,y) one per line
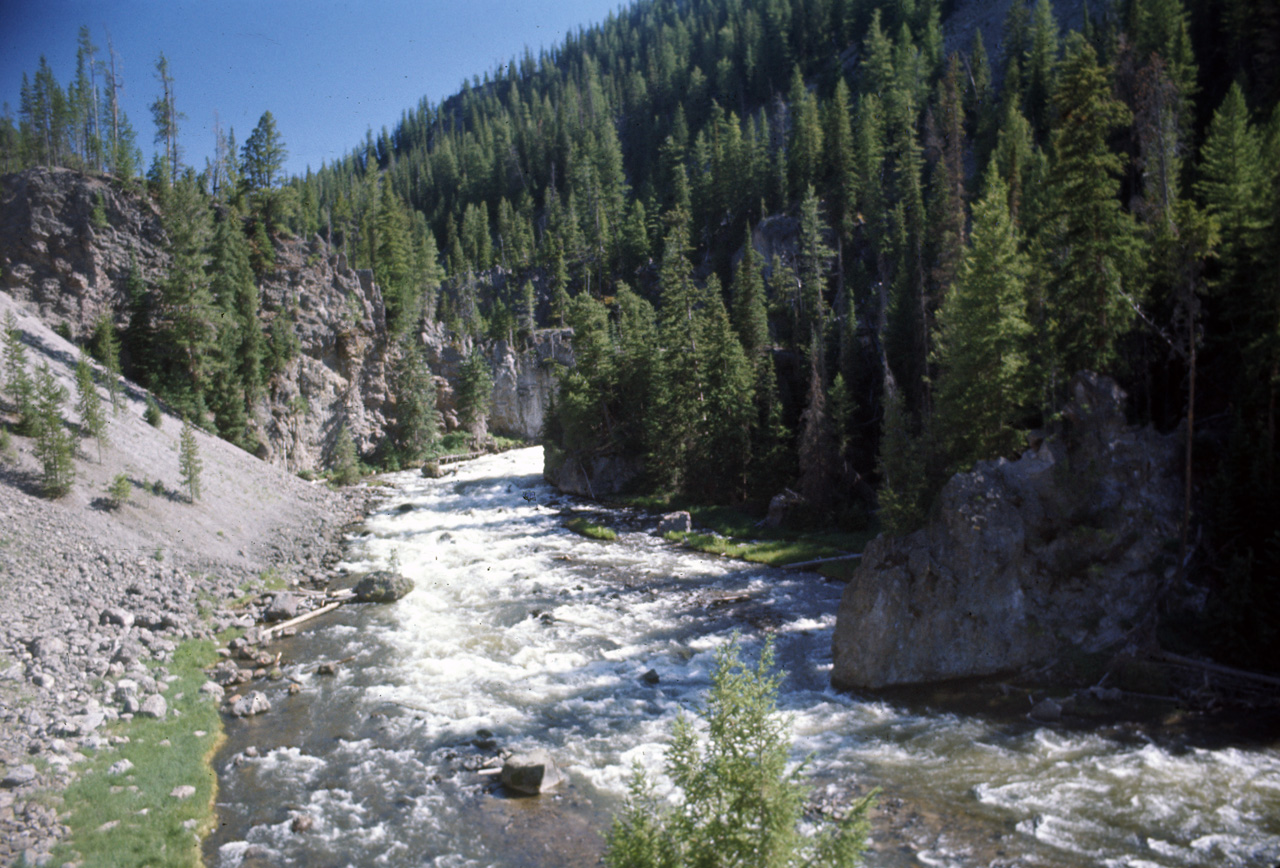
(307,616)
(803,564)
(1216,668)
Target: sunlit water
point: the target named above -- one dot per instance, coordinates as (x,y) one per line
(522,634)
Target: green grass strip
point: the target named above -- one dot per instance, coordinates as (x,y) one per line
(582,527)
(131,819)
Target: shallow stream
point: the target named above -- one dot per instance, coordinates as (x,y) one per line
(521,634)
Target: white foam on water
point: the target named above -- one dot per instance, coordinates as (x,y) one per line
(540,636)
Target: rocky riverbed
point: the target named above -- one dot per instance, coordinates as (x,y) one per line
(95,599)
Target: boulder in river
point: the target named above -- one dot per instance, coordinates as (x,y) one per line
(676,522)
(531,773)
(382,587)
(1067,547)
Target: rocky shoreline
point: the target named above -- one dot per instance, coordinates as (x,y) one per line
(95,599)
(78,636)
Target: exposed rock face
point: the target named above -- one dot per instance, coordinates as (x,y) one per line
(592,475)
(69,265)
(1065,546)
(62,265)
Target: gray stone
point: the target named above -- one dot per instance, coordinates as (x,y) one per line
(675,522)
(120,768)
(19,776)
(116,615)
(183,791)
(247,706)
(1047,710)
(531,773)
(382,587)
(213,690)
(284,606)
(154,706)
(45,647)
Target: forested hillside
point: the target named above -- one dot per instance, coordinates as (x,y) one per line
(801,245)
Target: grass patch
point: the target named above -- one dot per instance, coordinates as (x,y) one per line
(582,527)
(126,820)
(733,533)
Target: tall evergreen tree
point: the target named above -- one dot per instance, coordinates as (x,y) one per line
(93,422)
(54,447)
(983,387)
(1090,237)
(415,431)
(190,466)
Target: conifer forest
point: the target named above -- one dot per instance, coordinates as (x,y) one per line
(804,244)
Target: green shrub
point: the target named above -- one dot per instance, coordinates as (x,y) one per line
(152,414)
(119,490)
(740,805)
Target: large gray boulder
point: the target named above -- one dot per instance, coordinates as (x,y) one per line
(531,773)
(382,587)
(1067,546)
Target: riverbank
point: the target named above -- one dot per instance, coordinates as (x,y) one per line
(97,599)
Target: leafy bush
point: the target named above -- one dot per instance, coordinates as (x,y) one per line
(740,805)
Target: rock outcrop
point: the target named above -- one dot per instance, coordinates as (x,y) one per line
(68,242)
(1067,546)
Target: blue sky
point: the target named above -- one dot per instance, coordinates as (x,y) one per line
(327,70)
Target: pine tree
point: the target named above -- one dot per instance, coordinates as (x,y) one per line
(54,447)
(343,463)
(1231,185)
(93,423)
(106,349)
(741,803)
(981,353)
(189,463)
(475,394)
(750,319)
(186,305)
(416,426)
(901,468)
(166,118)
(1091,237)
(817,450)
(17,380)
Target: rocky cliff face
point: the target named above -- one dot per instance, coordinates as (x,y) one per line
(1067,546)
(67,242)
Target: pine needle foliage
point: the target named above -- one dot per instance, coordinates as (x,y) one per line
(189,463)
(93,421)
(54,446)
(742,802)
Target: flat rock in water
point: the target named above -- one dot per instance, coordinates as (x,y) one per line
(531,773)
(382,587)
(247,706)
(676,522)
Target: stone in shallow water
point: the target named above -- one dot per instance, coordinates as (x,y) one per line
(382,587)
(247,706)
(531,773)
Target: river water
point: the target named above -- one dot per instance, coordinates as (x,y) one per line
(521,634)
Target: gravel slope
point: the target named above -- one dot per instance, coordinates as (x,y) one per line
(87,594)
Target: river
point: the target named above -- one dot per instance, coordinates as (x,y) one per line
(521,634)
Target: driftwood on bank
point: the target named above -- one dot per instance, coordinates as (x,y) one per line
(306,616)
(803,564)
(1218,669)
